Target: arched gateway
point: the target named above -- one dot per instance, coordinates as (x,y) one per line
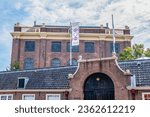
(99,79)
(99,86)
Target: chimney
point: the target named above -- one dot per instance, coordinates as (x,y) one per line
(101,26)
(17,24)
(34,23)
(43,24)
(106,25)
(127,27)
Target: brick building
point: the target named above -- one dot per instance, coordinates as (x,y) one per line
(42,53)
(92,79)
(41,46)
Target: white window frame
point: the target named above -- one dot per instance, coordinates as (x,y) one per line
(59,95)
(23,95)
(7,96)
(26,79)
(144,94)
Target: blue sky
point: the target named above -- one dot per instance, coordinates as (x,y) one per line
(134,13)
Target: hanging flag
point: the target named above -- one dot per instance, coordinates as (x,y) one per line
(75,34)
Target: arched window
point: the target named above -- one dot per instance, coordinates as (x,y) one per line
(28,63)
(55,62)
(74,62)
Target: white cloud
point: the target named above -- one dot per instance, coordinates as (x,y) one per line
(59,11)
(134,13)
(18,5)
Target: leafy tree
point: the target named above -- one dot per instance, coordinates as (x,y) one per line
(134,52)
(138,50)
(147,52)
(126,54)
(14,66)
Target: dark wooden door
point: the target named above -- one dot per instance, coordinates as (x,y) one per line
(98,86)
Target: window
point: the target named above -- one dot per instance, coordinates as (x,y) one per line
(74,48)
(6,97)
(74,62)
(53,97)
(55,62)
(56,47)
(28,63)
(89,47)
(29,46)
(28,97)
(117,47)
(146,96)
(22,82)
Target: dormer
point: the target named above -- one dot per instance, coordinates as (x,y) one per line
(22,82)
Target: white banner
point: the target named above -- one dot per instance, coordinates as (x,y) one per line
(75,33)
(75,108)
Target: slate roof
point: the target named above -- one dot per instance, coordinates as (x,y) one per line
(57,78)
(140,68)
(49,78)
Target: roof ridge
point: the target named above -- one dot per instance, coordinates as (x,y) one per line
(39,69)
(136,60)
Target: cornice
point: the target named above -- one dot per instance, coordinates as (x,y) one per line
(66,36)
(37,90)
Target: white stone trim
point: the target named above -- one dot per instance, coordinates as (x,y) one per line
(7,96)
(26,79)
(138,88)
(28,95)
(144,94)
(59,96)
(36,70)
(119,67)
(37,90)
(97,59)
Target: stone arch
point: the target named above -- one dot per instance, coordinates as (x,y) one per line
(98,86)
(55,62)
(107,66)
(74,62)
(28,63)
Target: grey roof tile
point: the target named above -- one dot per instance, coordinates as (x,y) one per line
(139,68)
(57,78)
(49,78)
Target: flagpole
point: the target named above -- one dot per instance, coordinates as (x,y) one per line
(113,32)
(70,45)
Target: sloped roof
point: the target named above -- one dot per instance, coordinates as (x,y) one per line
(50,78)
(140,68)
(57,78)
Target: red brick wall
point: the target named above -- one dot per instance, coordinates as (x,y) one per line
(15,50)
(107,67)
(43,55)
(78,93)
(138,94)
(38,95)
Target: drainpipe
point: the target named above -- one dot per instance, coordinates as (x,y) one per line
(66,95)
(133,92)
(133,85)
